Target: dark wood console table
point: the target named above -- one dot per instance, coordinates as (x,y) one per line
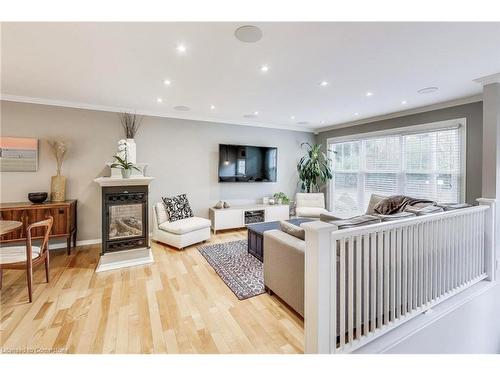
(64,214)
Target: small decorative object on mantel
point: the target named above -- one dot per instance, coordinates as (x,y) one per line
(219,205)
(226,205)
(271,201)
(37,198)
(59,149)
(131,124)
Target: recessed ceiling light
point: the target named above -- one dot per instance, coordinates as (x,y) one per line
(323,84)
(356,114)
(248,34)
(159,100)
(256,113)
(264,68)
(321,122)
(428,90)
(292,117)
(181,48)
(182,108)
(404,102)
(212,107)
(167,82)
(369,93)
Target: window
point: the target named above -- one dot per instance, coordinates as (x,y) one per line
(424,161)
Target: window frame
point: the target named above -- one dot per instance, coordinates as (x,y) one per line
(460,123)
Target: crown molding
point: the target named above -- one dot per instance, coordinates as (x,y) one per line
(492,78)
(96,107)
(408,112)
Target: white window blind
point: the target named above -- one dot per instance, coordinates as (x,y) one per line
(425,161)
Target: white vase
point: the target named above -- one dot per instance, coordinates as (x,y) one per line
(131,150)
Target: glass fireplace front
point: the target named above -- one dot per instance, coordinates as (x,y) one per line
(125,221)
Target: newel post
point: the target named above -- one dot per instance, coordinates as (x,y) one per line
(490,250)
(319,275)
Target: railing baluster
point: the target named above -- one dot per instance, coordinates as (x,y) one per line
(358,309)
(399,239)
(380,274)
(392,276)
(405,270)
(373,281)
(366,283)
(350,289)
(386,285)
(342,293)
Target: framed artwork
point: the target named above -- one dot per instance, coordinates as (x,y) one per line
(18,154)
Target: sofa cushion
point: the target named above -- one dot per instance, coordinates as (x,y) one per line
(178,207)
(293,230)
(310,211)
(183,226)
(374,199)
(357,221)
(428,209)
(161,213)
(453,206)
(396,216)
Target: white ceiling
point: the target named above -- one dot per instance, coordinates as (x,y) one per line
(119,66)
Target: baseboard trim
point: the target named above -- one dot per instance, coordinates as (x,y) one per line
(62,245)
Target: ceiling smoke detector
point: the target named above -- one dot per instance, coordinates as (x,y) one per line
(427,90)
(182,108)
(248,34)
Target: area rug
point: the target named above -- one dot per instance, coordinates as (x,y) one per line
(242,272)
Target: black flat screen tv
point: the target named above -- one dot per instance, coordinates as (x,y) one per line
(239,163)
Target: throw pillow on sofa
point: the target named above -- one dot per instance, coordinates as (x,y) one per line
(293,230)
(178,207)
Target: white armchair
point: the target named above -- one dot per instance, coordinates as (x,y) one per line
(179,233)
(310,205)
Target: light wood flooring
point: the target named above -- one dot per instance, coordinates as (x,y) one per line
(176,305)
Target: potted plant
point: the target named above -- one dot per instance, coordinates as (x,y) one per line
(314,169)
(59,149)
(281,198)
(125,166)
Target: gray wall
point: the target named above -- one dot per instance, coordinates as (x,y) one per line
(473,112)
(182,156)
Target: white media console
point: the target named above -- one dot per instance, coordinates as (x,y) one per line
(239,216)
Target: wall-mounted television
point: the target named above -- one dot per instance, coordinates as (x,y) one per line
(238,163)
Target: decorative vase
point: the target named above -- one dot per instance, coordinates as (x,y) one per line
(58,188)
(126,173)
(131,150)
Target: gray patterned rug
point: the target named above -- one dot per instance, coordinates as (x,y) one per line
(242,272)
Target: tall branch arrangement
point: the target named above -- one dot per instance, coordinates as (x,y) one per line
(131,123)
(314,169)
(59,149)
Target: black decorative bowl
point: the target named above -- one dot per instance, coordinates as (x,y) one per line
(37,197)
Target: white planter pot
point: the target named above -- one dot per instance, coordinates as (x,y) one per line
(131,150)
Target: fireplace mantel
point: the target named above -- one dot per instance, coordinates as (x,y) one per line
(113,181)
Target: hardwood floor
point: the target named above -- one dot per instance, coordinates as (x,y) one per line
(176,305)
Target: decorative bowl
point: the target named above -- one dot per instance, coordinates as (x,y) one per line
(37,197)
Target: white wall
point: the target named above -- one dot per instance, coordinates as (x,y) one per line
(182,156)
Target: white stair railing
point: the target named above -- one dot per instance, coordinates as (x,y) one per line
(362,282)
